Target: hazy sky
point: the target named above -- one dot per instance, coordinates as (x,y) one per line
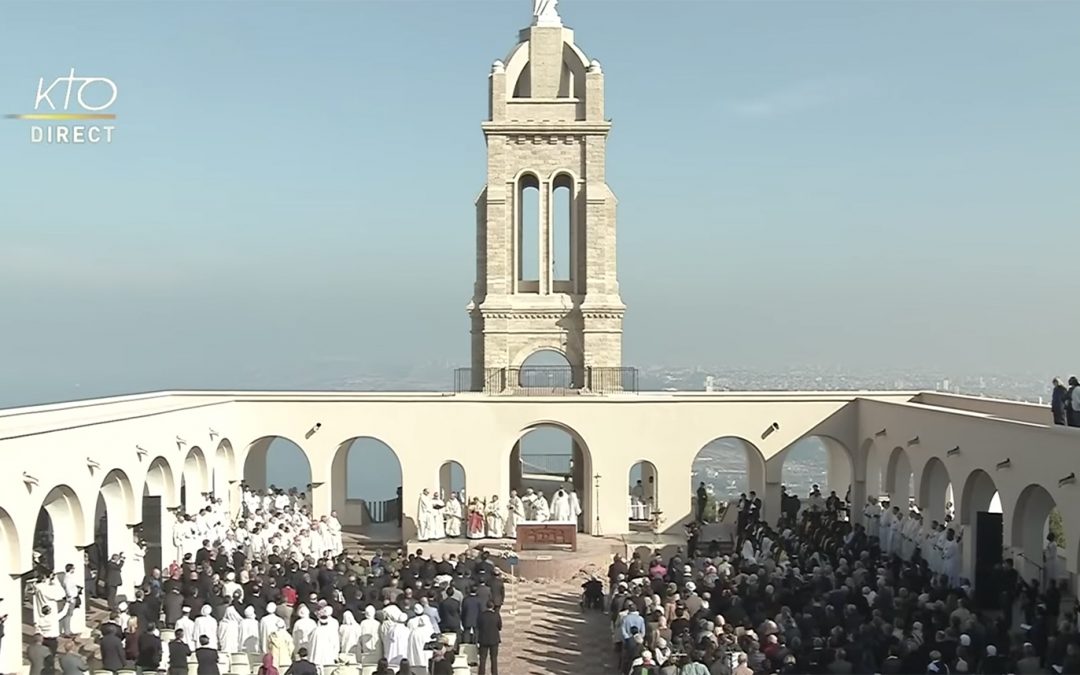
(291,184)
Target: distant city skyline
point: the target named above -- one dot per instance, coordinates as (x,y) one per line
(286,204)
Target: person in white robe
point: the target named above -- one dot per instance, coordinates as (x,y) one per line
(515,513)
(334,527)
(370,640)
(1051,561)
(349,635)
(909,532)
(425,517)
(229,632)
(575,504)
(325,643)
(179,538)
(886,531)
(872,517)
(184,623)
(303,629)
(438,520)
(206,626)
(421,632)
(397,646)
(48,596)
(541,512)
(950,557)
(495,521)
(268,625)
(529,502)
(231,588)
(249,632)
(748,552)
(560,507)
(453,514)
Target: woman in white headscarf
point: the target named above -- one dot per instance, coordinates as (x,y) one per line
(397,647)
(228,632)
(206,625)
(249,632)
(370,640)
(268,625)
(420,633)
(349,635)
(325,642)
(303,629)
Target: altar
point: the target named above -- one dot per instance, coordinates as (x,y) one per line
(546,536)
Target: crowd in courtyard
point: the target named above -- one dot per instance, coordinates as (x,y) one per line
(276,589)
(825,590)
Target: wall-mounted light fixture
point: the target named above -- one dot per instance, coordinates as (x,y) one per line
(772,429)
(175,509)
(312,430)
(1067,480)
(312,486)
(29,480)
(213,434)
(141,452)
(234,482)
(1005,463)
(92,465)
(881,433)
(914,441)
(954,451)
(181,442)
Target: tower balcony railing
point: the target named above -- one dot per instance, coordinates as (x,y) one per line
(547,380)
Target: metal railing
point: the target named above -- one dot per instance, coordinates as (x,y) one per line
(386,511)
(548,464)
(547,380)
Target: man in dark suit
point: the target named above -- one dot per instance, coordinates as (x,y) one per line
(450,616)
(149,657)
(488,629)
(113,577)
(112,651)
(301,666)
(206,658)
(178,655)
(471,609)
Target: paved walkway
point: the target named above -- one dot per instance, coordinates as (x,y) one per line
(546,633)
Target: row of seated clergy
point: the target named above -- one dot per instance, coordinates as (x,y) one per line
(460,668)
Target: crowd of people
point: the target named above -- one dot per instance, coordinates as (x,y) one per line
(279,588)
(440,517)
(826,591)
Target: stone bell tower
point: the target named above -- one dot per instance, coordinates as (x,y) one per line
(545,220)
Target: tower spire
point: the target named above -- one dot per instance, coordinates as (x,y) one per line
(545,13)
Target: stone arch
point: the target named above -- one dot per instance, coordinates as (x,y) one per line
(452,478)
(899,479)
(935,490)
(195,480)
(281,449)
(159,494)
(115,512)
(553,474)
(160,481)
(644,484)
(66,520)
(562,210)
(527,229)
(11,561)
(224,469)
(1030,523)
(806,454)
(712,465)
(976,496)
(377,499)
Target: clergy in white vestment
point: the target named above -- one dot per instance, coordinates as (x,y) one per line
(575,503)
(249,632)
(515,513)
(495,519)
(541,512)
(386,628)
(229,632)
(185,624)
(910,532)
(349,635)
(334,526)
(438,522)
(421,632)
(325,643)
(453,514)
(1051,561)
(950,559)
(528,500)
(872,517)
(748,552)
(560,507)
(179,537)
(370,640)
(397,646)
(425,517)
(303,629)
(206,626)
(885,527)
(268,625)
(231,588)
(48,593)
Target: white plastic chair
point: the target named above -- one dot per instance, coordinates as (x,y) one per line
(472,653)
(192,667)
(101,672)
(347,670)
(240,668)
(347,658)
(366,669)
(369,659)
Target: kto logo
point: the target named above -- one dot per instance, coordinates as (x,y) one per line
(57,101)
